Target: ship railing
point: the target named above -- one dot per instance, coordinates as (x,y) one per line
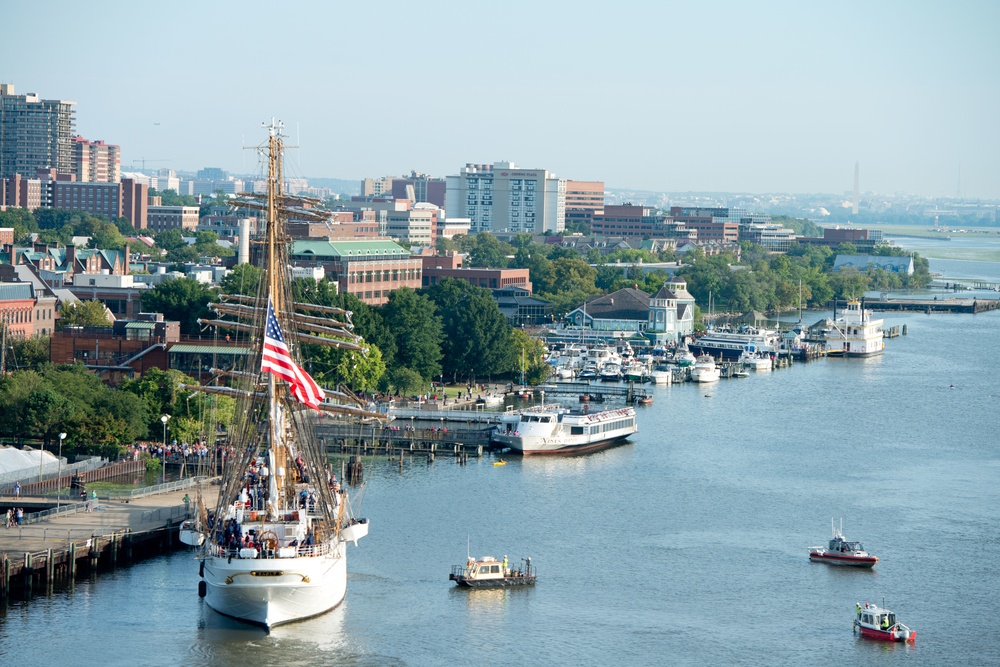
(252,553)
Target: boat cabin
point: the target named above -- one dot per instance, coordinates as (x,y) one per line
(485,568)
(840,545)
(874,617)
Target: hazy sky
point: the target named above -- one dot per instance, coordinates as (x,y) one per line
(724,96)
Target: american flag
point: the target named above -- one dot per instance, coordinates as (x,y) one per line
(278,362)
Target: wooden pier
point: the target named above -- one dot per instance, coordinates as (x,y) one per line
(597,391)
(46,551)
(945,305)
(402,435)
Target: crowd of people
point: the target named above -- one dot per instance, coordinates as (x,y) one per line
(15,515)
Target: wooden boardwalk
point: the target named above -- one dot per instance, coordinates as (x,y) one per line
(48,549)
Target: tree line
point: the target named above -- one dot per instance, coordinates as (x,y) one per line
(753,278)
(59,226)
(36,404)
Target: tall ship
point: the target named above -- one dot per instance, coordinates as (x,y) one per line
(557,429)
(855,333)
(729,343)
(274,548)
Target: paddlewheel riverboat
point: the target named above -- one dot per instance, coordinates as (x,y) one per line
(877,623)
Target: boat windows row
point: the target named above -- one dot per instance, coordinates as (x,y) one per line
(602,428)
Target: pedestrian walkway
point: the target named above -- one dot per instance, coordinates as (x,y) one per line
(137,515)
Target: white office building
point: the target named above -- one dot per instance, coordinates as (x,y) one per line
(505,198)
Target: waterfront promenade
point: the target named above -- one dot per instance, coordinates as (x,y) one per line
(138,515)
(50,547)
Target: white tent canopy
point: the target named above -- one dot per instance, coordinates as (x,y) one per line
(23,463)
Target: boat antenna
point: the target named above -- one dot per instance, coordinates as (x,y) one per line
(468,547)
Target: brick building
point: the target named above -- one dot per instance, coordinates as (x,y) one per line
(368,269)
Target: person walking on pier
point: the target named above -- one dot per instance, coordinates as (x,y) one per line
(17,489)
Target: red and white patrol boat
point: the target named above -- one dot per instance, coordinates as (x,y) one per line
(877,623)
(842,552)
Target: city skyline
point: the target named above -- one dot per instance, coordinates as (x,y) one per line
(655,96)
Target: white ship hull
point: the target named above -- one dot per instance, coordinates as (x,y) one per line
(273,591)
(705,370)
(545,430)
(705,375)
(661,377)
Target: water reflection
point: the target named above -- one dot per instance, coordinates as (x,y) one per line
(484,601)
(225,640)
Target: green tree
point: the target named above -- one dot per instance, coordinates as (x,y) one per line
(477,341)
(416,327)
(183,299)
(184,255)
(530,356)
(107,237)
(116,419)
(171,198)
(573,280)
(405,380)
(848,283)
(82,314)
(21,220)
(171,239)
(45,412)
(125,228)
(162,394)
(539,267)
(489,252)
(242,279)
(207,245)
(29,353)
(361,372)
(801,226)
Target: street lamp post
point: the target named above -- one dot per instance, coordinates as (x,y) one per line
(62,436)
(164,419)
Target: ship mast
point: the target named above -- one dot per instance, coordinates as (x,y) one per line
(275,294)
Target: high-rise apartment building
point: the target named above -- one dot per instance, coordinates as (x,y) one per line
(583,200)
(34,134)
(505,198)
(96,161)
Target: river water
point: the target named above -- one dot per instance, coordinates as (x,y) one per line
(685,546)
